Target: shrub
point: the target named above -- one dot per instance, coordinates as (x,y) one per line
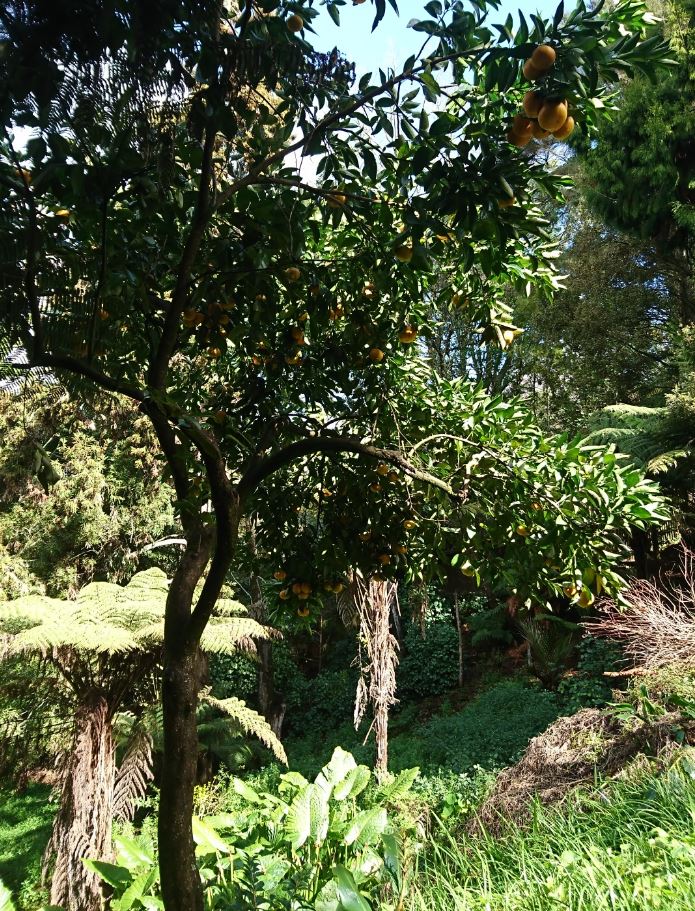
(490,732)
(429,660)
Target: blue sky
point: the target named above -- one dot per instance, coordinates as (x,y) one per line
(393,42)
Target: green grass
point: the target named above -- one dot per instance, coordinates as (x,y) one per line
(624,846)
(25,827)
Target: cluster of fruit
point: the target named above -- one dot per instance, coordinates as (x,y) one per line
(543,115)
(210,326)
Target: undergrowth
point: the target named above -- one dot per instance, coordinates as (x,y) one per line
(626,845)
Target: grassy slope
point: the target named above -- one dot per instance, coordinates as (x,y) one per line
(25,826)
(624,846)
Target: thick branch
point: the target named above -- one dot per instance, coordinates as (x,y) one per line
(308,446)
(201,217)
(81,368)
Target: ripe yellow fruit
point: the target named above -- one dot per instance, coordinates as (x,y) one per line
(279,574)
(284,595)
(63,213)
(522,530)
(586,599)
(336,200)
(536,505)
(552,115)
(292,274)
(382,469)
(409,524)
(404,253)
(376,355)
(531,71)
(565,129)
(305,587)
(570,590)
(375,487)
(533,102)
(103,314)
(393,476)
(297,587)
(518,141)
(407,335)
(215,352)
(384,559)
(296,359)
(401,549)
(303,611)
(508,336)
(297,335)
(507,202)
(295,23)
(538,132)
(23,174)
(543,57)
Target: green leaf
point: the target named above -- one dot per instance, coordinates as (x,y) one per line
(354,782)
(6,903)
(366,827)
(350,898)
(130,853)
(113,874)
(307,817)
(207,838)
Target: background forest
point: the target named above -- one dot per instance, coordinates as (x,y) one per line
(424,725)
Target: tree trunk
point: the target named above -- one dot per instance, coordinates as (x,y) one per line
(180,882)
(82,828)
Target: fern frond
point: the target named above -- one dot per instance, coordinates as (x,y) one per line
(250,722)
(665,461)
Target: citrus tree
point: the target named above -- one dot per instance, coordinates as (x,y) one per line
(217,222)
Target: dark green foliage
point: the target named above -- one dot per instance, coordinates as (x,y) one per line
(25,827)
(587,687)
(233,675)
(492,731)
(429,662)
(490,627)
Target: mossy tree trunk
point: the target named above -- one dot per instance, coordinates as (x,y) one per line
(82,828)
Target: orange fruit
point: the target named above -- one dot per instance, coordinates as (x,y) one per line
(409,524)
(522,530)
(384,559)
(521,125)
(375,487)
(407,335)
(279,574)
(403,254)
(518,141)
(401,549)
(63,213)
(543,57)
(533,102)
(292,274)
(538,132)
(506,202)
(393,476)
(338,587)
(284,594)
(552,115)
(215,352)
(295,23)
(382,469)
(531,71)
(303,611)
(376,355)
(297,335)
(565,129)
(336,200)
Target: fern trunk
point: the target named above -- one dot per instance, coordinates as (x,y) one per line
(82,827)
